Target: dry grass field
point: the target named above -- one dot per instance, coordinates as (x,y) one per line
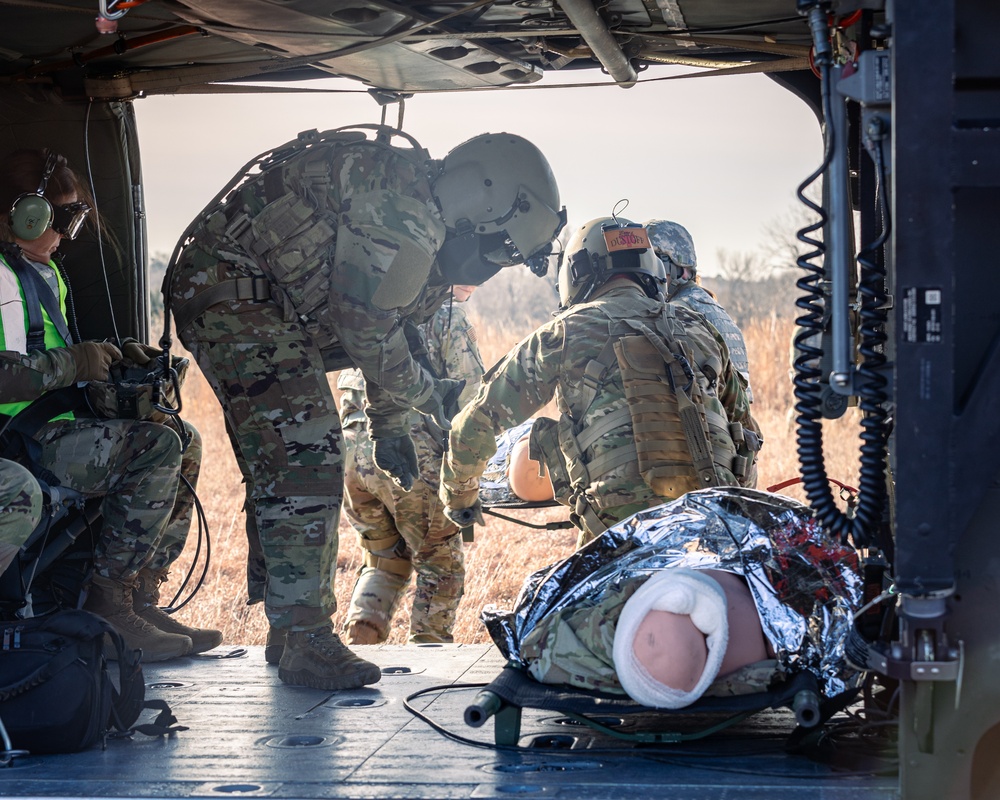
(503,553)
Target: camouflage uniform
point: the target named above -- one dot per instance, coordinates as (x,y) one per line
(20,509)
(554,361)
(133,464)
(673,243)
(315,235)
(697,298)
(402,531)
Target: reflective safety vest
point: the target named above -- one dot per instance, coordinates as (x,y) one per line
(16,329)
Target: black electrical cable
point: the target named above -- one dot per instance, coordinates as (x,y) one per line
(870,383)
(203,533)
(645,751)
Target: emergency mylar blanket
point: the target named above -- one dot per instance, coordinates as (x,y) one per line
(805,585)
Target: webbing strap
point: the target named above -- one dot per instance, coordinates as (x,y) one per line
(691,416)
(394,566)
(612,459)
(601,427)
(256,288)
(375,545)
(38,295)
(594,374)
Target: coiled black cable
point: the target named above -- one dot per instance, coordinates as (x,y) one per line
(870,381)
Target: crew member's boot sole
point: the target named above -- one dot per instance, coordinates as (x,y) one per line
(351,680)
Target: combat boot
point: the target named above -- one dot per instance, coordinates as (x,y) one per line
(112,599)
(359,631)
(318,659)
(275,645)
(145,601)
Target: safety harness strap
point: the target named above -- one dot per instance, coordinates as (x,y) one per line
(37,295)
(257,289)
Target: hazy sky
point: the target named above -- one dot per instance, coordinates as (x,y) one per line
(722,155)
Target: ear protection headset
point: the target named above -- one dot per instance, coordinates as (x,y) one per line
(31,213)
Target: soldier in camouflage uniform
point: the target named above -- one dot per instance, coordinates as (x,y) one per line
(135,465)
(20,509)
(318,261)
(398,531)
(675,247)
(592,452)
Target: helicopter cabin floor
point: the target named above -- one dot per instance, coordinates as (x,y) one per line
(249,735)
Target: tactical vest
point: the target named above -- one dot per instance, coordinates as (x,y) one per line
(279,222)
(682,439)
(698,299)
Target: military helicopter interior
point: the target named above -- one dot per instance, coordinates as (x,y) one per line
(908,96)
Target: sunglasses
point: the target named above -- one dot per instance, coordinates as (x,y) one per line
(67,220)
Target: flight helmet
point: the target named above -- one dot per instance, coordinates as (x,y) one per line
(675,247)
(605,247)
(500,204)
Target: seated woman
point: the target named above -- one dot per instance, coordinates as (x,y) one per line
(135,466)
(723,591)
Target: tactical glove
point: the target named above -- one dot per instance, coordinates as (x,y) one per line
(442,405)
(138,353)
(93,359)
(396,457)
(464,517)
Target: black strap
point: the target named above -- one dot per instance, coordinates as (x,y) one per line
(56,664)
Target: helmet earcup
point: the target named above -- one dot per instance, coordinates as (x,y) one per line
(30,216)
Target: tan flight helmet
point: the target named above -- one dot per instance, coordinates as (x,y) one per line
(675,247)
(500,203)
(605,247)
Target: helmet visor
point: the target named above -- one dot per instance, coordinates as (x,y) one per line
(67,220)
(498,250)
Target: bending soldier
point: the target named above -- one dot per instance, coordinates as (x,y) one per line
(674,246)
(312,264)
(686,423)
(135,465)
(402,532)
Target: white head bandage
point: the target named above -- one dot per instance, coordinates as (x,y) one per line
(679,591)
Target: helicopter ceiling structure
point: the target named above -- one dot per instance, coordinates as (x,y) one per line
(116,50)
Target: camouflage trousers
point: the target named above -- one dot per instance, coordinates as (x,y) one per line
(175,535)
(401,532)
(135,466)
(20,509)
(282,420)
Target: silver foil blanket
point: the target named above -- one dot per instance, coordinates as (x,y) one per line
(805,584)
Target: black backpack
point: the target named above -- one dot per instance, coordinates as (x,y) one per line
(56,691)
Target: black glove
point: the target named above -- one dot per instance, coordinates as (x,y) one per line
(396,457)
(465,517)
(443,404)
(93,359)
(138,353)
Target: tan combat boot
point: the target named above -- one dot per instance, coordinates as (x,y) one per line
(112,599)
(275,645)
(359,631)
(145,601)
(318,659)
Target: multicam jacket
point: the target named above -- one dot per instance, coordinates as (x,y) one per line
(553,361)
(345,232)
(452,352)
(697,298)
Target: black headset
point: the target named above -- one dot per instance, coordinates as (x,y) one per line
(31,213)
